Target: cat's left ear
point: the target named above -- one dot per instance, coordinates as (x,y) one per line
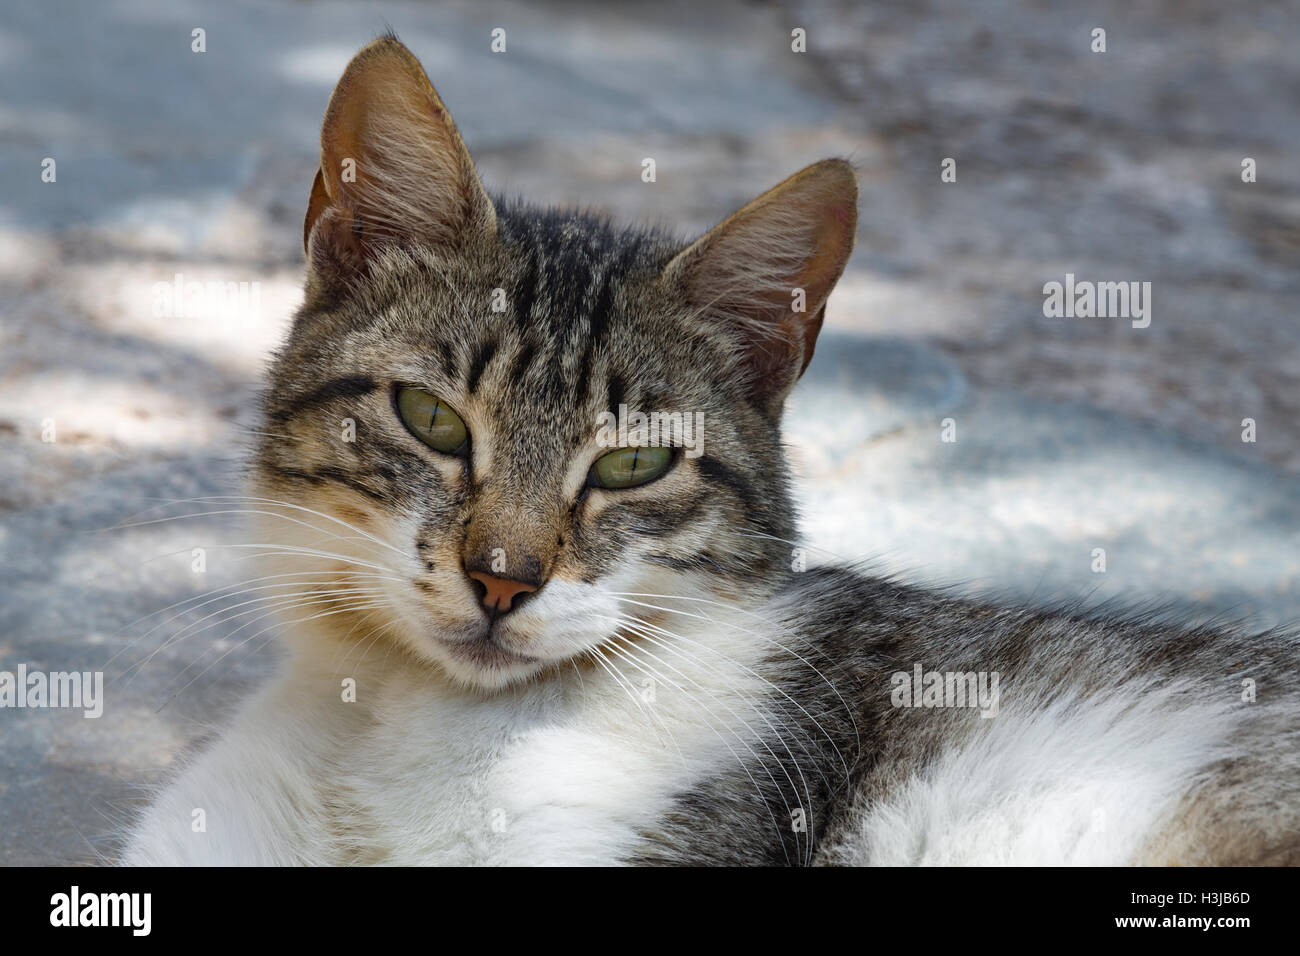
(393,167)
(769,268)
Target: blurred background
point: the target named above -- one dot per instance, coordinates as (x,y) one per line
(1072,434)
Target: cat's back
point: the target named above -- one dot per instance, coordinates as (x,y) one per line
(1007,735)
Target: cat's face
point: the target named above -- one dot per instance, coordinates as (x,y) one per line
(441,454)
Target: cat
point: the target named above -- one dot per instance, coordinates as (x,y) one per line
(509,643)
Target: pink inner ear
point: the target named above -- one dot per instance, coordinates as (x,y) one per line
(840,212)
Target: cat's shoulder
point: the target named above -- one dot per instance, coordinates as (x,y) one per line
(845,593)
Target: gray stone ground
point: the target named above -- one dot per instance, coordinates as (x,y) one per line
(1072,434)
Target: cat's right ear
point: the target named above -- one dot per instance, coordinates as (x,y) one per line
(393,167)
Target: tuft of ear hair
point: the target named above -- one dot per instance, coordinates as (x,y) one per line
(393,167)
(768,269)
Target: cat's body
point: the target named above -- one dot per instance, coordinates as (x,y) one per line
(1123,745)
(502,651)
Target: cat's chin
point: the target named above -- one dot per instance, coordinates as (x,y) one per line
(482,664)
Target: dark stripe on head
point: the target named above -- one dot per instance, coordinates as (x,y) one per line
(523,359)
(482,355)
(526,293)
(339,388)
(723,476)
(446,361)
(554,388)
(655,519)
(341,477)
(600,313)
(616,394)
(390,453)
(330,474)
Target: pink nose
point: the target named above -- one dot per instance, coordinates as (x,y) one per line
(499,593)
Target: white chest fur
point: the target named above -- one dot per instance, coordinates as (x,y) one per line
(563,771)
(548,775)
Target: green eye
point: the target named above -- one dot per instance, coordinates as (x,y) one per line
(432,421)
(629,467)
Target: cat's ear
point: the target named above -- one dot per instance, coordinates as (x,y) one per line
(769,269)
(392,168)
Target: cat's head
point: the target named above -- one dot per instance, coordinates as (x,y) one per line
(442,448)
